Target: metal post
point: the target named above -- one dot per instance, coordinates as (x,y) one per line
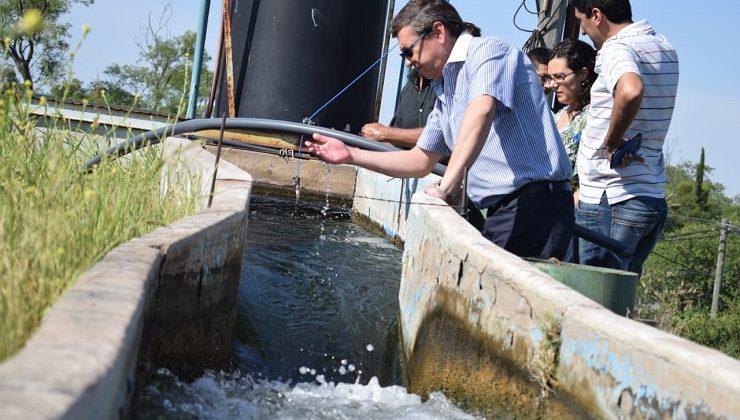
(229,57)
(216,72)
(218,159)
(720,268)
(200,41)
(381,77)
(551,22)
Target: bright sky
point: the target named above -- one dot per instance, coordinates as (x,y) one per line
(707,109)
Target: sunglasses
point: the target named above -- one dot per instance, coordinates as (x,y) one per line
(408,51)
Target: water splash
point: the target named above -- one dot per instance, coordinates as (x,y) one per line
(220,396)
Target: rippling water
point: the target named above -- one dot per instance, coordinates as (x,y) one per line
(316,333)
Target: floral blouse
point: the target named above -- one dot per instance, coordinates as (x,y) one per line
(571,137)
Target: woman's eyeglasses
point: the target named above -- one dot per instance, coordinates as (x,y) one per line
(549,79)
(408,51)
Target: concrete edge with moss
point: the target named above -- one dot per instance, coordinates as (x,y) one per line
(500,336)
(166,298)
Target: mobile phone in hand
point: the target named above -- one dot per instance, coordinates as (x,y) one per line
(630,146)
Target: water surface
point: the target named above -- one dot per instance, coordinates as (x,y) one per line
(316,331)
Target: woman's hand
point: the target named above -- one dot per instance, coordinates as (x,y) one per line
(329,149)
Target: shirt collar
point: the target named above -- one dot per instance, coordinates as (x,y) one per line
(641,27)
(460,50)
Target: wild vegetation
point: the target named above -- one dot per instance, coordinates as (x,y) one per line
(678,280)
(56,220)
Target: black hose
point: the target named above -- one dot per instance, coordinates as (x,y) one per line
(153,137)
(602,240)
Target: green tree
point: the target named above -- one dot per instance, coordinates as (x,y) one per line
(682,198)
(699,192)
(72,89)
(104,92)
(161,76)
(678,278)
(42,52)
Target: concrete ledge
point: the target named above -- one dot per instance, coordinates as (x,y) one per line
(385,201)
(275,173)
(630,370)
(497,334)
(104,122)
(81,363)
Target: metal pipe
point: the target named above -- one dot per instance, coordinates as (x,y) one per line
(200,41)
(216,71)
(218,159)
(155,136)
(384,63)
(229,58)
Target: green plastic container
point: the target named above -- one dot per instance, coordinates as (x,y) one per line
(614,289)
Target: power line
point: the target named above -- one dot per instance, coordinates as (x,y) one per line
(690,235)
(541,27)
(704,221)
(513,20)
(524,3)
(687,268)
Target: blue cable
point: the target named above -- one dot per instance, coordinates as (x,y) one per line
(297,178)
(352,82)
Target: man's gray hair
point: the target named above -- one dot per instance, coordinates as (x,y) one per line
(420,15)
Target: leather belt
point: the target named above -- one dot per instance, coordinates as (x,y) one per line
(543,186)
(536,187)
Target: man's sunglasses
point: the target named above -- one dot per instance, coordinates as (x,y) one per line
(408,51)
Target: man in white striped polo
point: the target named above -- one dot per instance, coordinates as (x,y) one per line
(491,115)
(634,95)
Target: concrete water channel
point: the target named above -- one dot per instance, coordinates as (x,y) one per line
(495,333)
(316,328)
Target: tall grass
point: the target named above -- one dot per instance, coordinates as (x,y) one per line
(56,221)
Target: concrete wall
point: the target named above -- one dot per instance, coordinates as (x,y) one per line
(178,283)
(384,201)
(497,334)
(274,173)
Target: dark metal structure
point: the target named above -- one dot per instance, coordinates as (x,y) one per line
(291,57)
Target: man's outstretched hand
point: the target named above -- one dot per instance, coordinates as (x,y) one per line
(329,149)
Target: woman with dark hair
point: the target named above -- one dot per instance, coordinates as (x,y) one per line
(570,75)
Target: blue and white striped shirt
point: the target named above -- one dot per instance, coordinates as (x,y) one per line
(523,145)
(637,48)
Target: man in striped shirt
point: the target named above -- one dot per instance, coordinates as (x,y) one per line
(634,94)
(491,115)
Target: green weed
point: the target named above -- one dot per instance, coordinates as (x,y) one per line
(55,220)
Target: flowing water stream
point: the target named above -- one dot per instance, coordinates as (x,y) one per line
(316,331)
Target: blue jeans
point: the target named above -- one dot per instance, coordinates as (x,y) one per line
(637,223)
